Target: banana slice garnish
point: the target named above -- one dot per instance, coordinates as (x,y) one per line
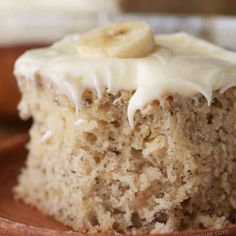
(123,40)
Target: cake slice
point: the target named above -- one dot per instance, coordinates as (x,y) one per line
(131,132)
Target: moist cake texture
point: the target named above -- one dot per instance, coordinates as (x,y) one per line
(168,165)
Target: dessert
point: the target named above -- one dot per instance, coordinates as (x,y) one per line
(132,132)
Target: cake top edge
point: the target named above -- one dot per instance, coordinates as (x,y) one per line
(127,56)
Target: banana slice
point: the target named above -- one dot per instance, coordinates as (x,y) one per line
(124,40)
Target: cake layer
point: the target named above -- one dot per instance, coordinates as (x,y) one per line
(174,170)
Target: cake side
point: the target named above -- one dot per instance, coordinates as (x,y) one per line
(174,170)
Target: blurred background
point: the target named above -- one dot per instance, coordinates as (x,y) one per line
(26,24)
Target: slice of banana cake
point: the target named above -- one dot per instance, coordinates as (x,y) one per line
(131,132)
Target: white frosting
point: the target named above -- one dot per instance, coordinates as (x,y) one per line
(80,122)
(181,64)
(23,110)
(46,136)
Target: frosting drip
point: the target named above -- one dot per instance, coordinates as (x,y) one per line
(180,64)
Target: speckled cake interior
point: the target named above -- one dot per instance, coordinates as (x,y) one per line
(131,132)
(174,171)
